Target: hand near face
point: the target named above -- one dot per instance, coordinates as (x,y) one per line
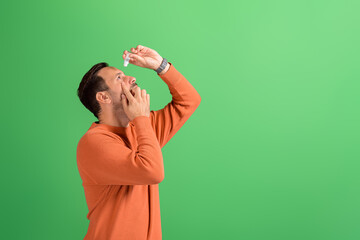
(144,57)
(137,105)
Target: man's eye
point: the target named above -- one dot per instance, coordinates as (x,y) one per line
(119,77)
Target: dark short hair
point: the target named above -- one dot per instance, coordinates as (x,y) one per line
(90,84)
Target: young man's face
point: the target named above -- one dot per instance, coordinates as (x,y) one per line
(113,78)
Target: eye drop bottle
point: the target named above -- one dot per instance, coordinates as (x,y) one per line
(127,59)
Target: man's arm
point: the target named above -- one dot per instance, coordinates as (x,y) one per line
(105,160)
(185,99)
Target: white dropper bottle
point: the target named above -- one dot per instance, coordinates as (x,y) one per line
(127,59)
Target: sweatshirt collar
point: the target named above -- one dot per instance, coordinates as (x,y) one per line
(115,129)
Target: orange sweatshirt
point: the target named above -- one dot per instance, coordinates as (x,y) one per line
(121,167)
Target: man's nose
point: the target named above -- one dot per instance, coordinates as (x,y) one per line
(132,80)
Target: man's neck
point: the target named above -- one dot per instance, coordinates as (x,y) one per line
(112,120)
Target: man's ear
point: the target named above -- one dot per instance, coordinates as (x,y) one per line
(103,97)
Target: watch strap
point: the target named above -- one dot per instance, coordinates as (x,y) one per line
(162,66)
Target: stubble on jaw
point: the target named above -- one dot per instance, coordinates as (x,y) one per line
(117,103)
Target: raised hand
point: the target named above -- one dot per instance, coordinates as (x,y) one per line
(144,57)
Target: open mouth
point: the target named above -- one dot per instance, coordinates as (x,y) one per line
(132,92)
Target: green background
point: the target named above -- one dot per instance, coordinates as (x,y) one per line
(271,153)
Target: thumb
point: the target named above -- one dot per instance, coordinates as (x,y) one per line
(134,58)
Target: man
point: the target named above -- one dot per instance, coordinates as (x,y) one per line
(119,158)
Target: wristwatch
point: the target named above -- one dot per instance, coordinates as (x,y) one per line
(162,66)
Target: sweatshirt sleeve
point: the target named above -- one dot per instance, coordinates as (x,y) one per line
(185,99)
(105,159)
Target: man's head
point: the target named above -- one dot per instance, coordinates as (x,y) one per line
(100,88)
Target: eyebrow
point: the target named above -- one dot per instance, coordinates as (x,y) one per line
(119,73)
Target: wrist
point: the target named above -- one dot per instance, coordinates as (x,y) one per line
(163,67)
(159,61)
(165,70)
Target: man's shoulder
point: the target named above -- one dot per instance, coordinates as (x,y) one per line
(98,135)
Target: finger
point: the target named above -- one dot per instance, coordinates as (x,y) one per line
(140,48)
(143,94)
(123,101)
(126,91)
(137,91)
(134,58)
(124,54)
(148,98)
(133,50)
